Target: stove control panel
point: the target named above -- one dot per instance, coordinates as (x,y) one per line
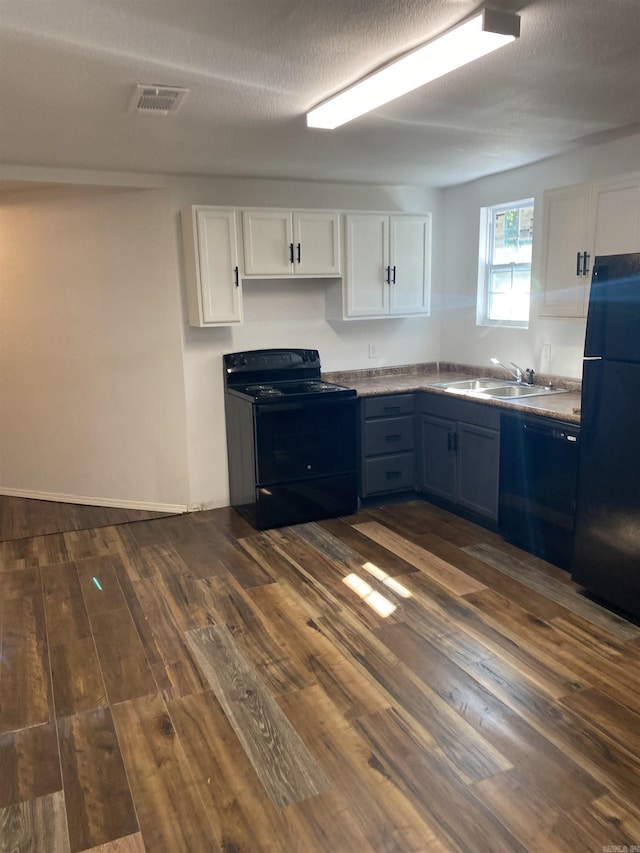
(266,360)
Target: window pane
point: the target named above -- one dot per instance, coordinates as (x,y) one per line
(525,234)
(504,282)
(520,307)
(500,281)
(512,235)
(521,282)
(508,297)
(499,306)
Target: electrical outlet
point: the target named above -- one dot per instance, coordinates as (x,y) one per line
(545,358)
(373,350)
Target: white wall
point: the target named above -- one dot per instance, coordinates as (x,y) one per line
(462,340)
(107,392)
(91,378)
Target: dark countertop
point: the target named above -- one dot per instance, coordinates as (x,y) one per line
(421,377)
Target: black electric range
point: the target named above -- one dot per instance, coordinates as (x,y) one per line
(278,375)
(291,438)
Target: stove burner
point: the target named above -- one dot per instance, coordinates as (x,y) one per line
(318,387)
(289,389)
(274,377)
(265,390)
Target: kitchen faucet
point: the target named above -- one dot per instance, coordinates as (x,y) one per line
(518,374)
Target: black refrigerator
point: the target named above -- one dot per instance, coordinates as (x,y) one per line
(606,558)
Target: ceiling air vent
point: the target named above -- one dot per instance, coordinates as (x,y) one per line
(157,100)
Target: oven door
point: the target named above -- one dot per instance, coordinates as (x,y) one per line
(305,440)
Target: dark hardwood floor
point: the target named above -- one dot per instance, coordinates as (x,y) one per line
(400,680)
(22,518)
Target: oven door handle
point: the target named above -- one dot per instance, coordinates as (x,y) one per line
(303,405)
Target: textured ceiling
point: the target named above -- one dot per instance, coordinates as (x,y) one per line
(68,69)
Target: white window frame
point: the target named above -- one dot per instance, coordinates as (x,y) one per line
(486,265)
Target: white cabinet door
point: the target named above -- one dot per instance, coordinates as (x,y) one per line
(316,239)
(580,223)
(214,293)
(409,258)
(268,242)
(283,243)
(388,266)
(565,218)
(615,216)
(367,265)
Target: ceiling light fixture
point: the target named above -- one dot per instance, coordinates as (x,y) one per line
(482,34)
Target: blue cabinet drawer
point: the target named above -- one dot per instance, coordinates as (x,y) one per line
(394,473)
(388,405)
(388,435)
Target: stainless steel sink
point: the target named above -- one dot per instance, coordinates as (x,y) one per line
(497,389)
(517,391)
(462,386)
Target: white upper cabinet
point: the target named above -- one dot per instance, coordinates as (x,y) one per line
(388,261)
(565,221)
(579,223)
(615,216)
(316,237)
(281,243)
(410,261)
(268,242)
(367,265)
(214,289)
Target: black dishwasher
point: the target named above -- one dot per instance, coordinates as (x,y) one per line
(538,469)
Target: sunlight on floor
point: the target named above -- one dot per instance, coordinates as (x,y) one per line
(375,600)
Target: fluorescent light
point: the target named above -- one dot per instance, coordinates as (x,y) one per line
(470,40)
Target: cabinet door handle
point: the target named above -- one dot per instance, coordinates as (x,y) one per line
(392,475)
(291,252)
(585,265)
(236,277)
(388,278)
(455,442)
(578,265)
(394,276)
(299,252)
(452,441)
(395,437)
(391,408)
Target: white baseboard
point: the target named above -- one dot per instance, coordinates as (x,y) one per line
(207,505)
(90,501)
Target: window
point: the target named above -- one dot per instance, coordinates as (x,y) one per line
(504,277)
